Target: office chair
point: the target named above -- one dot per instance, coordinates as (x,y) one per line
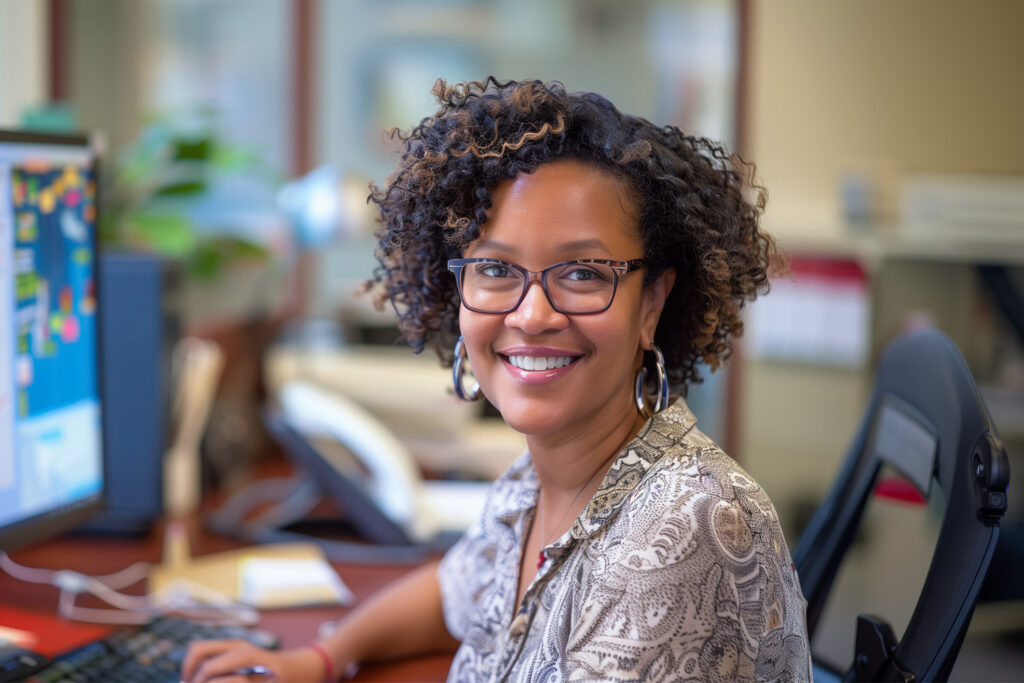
(926,420)
(1004,580)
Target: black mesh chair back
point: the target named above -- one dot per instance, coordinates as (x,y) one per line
(926,420)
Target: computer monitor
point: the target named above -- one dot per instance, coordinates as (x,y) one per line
(51,436)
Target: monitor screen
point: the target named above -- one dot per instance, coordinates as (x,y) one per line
(51,450)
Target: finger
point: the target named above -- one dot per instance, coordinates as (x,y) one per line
(199,651)
(205,652)
(229,662)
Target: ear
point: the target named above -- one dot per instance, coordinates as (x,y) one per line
(654,302)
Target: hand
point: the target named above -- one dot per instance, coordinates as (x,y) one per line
(218,660)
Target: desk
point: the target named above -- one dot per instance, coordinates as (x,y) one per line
(295,626)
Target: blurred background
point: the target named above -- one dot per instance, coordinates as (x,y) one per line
(241,135)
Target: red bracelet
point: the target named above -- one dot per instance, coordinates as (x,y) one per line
(328,667)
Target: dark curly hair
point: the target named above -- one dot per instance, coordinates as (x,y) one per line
(699,209)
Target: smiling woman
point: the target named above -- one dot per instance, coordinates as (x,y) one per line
(568,253)
(594,332)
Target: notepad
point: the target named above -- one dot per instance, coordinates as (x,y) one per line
(283,582)
(267,576)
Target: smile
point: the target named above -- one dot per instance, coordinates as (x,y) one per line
(540,363)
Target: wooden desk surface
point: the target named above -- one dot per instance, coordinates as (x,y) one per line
(295,626)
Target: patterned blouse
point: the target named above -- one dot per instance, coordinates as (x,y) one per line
(675,570)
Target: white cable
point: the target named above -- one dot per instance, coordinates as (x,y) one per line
(197,599)
(66,607)
(189,598)
(128,576)
(133,609)
(24,573)
(73,582)
(120,579)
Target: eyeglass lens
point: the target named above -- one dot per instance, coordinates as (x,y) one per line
(572,288)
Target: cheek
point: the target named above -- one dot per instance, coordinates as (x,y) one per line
(476,336)
(630,342)
(619,338)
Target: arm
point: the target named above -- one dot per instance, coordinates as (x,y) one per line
(401,620)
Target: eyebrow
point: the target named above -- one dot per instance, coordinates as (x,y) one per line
(567,247)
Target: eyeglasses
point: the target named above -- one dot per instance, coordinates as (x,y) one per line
(580,287)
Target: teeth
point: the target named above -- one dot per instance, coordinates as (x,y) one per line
(539,362)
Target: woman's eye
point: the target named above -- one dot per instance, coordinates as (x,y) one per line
(493,270)
(582,274)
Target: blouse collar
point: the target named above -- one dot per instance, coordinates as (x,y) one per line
(520,482)
(632,464)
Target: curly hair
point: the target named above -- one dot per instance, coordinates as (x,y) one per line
(699,209)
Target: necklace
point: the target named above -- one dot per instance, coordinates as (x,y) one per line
(542,557)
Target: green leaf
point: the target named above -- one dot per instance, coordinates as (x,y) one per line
(196,149)
(184,188)
(207,262)
(233,158)
(164,233)
(212,255)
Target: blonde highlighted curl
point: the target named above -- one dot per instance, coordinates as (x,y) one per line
(699,209)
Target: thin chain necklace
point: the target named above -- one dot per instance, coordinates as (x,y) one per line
(542,556)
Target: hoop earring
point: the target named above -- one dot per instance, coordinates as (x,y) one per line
(458,371)
(639,393)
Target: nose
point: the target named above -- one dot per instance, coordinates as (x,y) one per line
(535,314)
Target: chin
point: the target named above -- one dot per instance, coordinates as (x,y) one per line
(532,420)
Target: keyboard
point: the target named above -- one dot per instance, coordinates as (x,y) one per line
(152,653)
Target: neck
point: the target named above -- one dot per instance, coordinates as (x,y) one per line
(570,472)
(569,462)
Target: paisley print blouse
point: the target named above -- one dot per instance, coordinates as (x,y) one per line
(676,570)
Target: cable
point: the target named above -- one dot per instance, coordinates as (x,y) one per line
(197,600)
(129,609)
(191,599)
(67,608)
(120,579)
(27,574)
(127,576)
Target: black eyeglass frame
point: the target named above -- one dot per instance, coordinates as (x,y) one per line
(619,268)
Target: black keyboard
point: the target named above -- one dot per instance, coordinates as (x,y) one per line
(151,653)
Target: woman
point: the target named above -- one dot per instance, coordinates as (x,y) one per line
(582,263)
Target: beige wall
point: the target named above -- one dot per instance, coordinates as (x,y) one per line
(24,60)
(111,45)
(883,87)
(887,89)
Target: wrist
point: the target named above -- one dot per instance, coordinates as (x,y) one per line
(333,668)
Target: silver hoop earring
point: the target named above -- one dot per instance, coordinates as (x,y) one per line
(458,371)
(639,393)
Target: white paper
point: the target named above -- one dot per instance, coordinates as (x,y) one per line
(279,582)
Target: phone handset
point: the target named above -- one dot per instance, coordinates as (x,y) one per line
(396,480)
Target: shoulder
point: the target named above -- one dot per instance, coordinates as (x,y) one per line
(696,507)
(693,473)
(699,537)
(679,451)
(694,466)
